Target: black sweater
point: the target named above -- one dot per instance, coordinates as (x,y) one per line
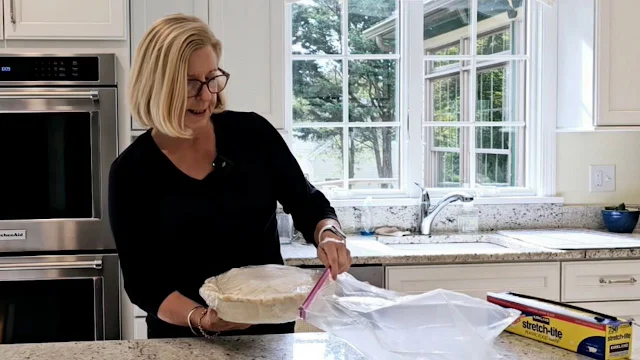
(172,231)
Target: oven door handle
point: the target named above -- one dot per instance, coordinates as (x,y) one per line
(93,264)
(31,95)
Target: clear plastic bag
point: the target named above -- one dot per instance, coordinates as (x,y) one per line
(385,325)
(265,294)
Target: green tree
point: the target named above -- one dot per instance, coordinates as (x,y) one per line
(317,85)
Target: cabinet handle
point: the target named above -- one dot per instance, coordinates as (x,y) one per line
(631,281)
(12,6)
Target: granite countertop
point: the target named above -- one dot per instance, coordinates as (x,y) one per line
(368,250)
(301,346)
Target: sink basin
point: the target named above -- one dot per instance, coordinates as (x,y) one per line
(456,244)
(452,248)
(421,247)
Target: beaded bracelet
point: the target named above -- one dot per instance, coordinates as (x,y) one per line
(204,333)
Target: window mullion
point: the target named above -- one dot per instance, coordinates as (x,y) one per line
(416,101)
(345,93)
(471,91)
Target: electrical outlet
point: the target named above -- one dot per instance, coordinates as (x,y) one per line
(602,178)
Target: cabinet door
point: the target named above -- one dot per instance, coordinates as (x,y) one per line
(618,76)
(252,35)
(145,12)
(534,279)
(65,19)
(139,328)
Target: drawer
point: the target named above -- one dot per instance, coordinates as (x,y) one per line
(139,329)
(534,279)
(601,280)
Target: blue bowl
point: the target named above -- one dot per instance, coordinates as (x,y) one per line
(620,221)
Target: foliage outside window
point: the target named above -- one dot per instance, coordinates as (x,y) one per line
(346,86)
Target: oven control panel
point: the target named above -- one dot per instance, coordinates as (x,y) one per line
(55,68)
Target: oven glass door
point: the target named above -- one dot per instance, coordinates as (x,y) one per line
(59,298)
(48,170)
(43,311)
(48,154)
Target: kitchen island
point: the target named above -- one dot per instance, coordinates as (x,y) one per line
(307,346)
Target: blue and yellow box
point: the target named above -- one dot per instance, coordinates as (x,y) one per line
(582,331)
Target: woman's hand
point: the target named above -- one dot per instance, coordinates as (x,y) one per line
(211,322)
(333,253)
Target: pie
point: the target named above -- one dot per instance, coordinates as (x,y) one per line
(265,294)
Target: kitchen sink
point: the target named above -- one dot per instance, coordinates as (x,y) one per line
(420,247)
(452,248)
(456,243)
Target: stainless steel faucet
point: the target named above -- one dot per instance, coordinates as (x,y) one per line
(427,215)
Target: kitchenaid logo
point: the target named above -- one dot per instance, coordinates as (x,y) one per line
(13,234)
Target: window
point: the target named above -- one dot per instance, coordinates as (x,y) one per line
(344,89)
(474,106)
(352,76)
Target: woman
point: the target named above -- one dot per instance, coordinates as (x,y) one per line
(196,194)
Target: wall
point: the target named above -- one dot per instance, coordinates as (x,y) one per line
(576,151)
(578,145)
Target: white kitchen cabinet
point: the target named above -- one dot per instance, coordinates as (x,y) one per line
(146,12)
(622,309)
(65,19)
(139,328)
(601,280)
(534,279)
(139,323)
(252,35)
(617,73)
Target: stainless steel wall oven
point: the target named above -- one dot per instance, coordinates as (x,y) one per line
(58,138)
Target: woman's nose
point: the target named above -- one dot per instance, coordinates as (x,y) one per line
(205,94)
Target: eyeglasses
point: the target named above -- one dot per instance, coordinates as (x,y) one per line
(215,85)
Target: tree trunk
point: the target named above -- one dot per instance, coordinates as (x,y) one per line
(387,151)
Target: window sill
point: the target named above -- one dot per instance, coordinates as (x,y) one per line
(598,129)
(509,200)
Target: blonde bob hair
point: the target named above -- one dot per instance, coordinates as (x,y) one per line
(158,83)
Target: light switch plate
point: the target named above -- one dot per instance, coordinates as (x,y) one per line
(602,178)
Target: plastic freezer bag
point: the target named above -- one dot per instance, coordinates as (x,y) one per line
(385,325)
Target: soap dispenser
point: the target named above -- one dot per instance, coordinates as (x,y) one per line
(367,218)
(468,218)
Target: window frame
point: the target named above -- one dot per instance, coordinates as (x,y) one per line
(541,102)
(463,73)
(344,58)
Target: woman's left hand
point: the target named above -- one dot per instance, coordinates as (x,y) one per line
(334,254)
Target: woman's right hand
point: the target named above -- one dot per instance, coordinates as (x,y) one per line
(211,322)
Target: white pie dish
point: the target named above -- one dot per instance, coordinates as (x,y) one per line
(265,294)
